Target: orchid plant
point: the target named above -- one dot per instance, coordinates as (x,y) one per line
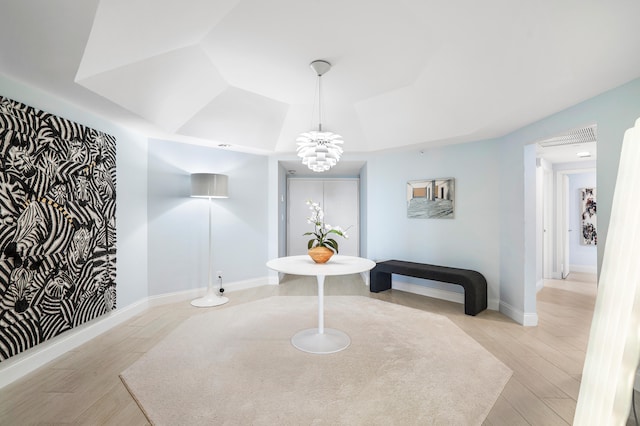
(322,232)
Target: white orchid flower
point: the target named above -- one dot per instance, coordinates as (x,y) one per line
(322,230)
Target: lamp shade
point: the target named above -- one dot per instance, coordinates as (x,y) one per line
(209,185)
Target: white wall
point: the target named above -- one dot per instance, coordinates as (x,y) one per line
(178,224)
(582,258)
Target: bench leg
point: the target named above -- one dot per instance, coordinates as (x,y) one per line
(380,281)
(474,303)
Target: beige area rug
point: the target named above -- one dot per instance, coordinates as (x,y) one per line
(236,366)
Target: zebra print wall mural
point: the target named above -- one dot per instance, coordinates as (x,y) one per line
(57,225)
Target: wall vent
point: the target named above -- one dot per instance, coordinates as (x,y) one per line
(572,137)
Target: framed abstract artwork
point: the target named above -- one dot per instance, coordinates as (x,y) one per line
(431,198)
(588,217)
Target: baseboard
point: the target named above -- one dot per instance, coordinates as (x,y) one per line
(275,277)
(526,319)
(437,293)
(587,269)
(539,285)
(252,283)
(178,296)
(25,362)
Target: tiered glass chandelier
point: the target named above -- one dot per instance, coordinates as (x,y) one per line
(319,150)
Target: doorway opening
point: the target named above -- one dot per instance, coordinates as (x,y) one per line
(566,171)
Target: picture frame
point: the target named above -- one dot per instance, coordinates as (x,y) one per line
(431,198)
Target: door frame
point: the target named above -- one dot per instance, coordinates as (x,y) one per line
(562,220)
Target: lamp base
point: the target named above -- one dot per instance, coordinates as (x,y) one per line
(208,300)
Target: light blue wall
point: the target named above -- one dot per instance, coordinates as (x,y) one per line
(492,232)
(614,112)
(470,240)
(162,243)
(585,256)
(178,224)
(131,187)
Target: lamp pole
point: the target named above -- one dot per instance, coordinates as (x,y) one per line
(211,298)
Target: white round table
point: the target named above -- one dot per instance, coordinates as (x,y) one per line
(321,340)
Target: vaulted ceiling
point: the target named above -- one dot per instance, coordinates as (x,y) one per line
(406,73)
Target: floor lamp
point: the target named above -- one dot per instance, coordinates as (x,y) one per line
(209,185)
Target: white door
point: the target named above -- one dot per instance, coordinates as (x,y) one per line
(343,209)
(339,199)
(299,191)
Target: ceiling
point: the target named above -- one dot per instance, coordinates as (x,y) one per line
(571,146)
(570,153)
(406,74)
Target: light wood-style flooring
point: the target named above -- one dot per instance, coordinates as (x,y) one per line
(83,386)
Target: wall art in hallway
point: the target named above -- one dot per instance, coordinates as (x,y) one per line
(589,218)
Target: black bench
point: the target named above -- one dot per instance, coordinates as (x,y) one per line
(474,283)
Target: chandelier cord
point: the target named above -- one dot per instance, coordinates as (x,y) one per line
(313,105)
(319,103)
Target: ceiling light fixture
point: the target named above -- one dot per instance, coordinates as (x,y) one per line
(319,150)
(584,154)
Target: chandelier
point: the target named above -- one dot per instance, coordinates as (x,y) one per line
(319,150)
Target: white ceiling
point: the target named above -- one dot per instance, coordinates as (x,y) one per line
(569,153)
(571,146)
(407,73)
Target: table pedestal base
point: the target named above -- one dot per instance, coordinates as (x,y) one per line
(313,342)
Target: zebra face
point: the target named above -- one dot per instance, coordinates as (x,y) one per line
(18,290)
(78,151)
(50,165)
(59,194)
(81,190)
(22,161)
(100,141)
(59,287)
(30,229)
(6,107)
(43,228)
(80,245)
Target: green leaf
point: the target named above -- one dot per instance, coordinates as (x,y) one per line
(310,244)
(331,243)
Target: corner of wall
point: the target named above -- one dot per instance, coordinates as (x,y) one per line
(523,318)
